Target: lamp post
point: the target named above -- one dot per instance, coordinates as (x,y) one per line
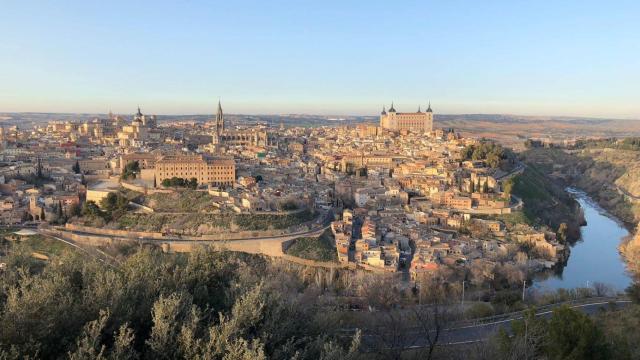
(462,301)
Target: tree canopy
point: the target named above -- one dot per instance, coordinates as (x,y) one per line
(180,182)
(130,170)
(204,305)
(494,155)
(76,167)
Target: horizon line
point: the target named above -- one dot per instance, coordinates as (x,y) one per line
(324,115)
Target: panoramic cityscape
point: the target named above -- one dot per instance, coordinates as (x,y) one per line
(303,181)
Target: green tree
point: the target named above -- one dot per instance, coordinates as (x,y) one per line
(180,182)
(89,345)
(60,210)
(74,210)
(633,291)
(193,183)
(573,335)
(130,170)
(90,209)
(39,170)
(202,305)
(76,167)
(168,315)
(507,186)
(114,201)
(26,216)
(114,205)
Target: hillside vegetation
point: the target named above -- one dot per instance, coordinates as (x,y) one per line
(546,203)
(604,173)
(198,224)
(314,248)
(234,306)
(180,201)
(205,305)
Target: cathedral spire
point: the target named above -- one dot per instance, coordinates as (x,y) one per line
(429,108)
(391,109)
(219,120)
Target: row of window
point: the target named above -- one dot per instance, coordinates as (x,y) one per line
(182,174)
(167,168)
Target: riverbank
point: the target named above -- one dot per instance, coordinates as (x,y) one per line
(546,203)
(595,259)
(609,177)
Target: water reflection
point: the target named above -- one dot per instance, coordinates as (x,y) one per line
(595,257)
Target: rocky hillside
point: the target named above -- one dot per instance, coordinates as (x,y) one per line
(631,251)
(610,176)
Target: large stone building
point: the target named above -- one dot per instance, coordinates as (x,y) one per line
(244,137)
(208,170)
(146,160)
(137,132)
(415,121)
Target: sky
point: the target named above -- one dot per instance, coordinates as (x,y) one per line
(578,58)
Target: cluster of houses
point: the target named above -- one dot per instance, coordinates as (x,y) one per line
(414,203)
(405,200)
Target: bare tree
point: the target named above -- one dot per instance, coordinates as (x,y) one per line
(436,311)
(382,292)
(525,340)
(602,289)
(391,333)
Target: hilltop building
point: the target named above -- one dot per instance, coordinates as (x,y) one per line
(414,121)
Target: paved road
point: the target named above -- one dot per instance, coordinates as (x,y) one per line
(517,170)
(480,332)
(471,333)
(626,193)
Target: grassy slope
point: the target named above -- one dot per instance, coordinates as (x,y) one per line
(39,244)
(546,203)
(210,223)
(182,201)
(319,249)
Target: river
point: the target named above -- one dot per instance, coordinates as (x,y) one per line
(595,257)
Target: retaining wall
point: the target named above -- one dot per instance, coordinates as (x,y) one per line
(112,232)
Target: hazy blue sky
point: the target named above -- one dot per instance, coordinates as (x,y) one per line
(525,57)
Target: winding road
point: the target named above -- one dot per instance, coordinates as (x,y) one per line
(481,330)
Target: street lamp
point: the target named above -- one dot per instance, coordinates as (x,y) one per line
(462,301)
